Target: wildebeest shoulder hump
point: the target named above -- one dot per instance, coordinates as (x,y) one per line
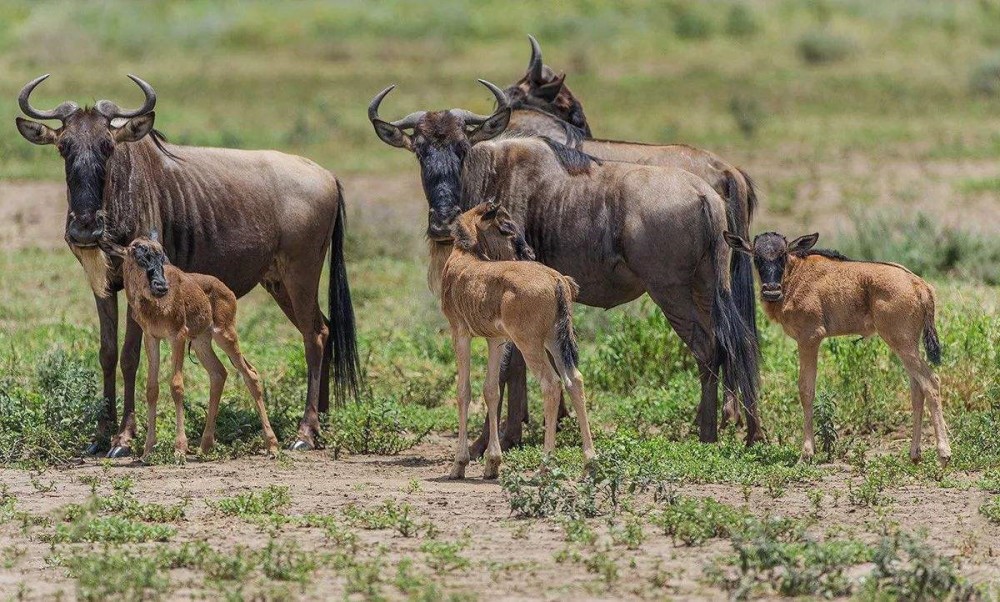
(575,162)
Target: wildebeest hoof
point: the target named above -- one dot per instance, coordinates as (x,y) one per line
(491,469)
(301,445)
(457,472)
(120,451)
(94,449)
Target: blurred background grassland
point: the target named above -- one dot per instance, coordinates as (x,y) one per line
(808,80)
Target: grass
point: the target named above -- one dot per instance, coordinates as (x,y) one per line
(754,81)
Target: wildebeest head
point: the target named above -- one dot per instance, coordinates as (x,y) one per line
(770,252)
(148,255)
(441,140)
(86,141)
(488,231)
(544,89)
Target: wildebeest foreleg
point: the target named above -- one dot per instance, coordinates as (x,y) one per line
(121,445)
(107,314)
(152,392)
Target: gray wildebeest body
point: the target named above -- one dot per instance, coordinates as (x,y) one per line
(815,294)
(618,229)
(543,105)
(245,217)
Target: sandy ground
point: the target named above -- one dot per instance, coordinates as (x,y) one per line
(510,558)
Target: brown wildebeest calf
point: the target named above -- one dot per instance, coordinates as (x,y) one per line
(182,307)
(486,294)
(814,294)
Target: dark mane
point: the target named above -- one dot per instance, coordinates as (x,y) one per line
(575,162)
(158,140)
(574,135)
(828,253)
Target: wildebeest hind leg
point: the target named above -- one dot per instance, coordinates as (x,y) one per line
(692,325)
(301,288)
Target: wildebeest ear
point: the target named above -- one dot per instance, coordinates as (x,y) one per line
(549,91)
(492,127)
(803,243)
(737,243)
(134,129)
(36,133)
(392,135)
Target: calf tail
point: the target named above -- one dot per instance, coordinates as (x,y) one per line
(736,346)
(932,345)
(566,291)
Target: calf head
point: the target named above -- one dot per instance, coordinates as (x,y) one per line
(441,141)
(86,140)
(542,88)
(147,255)
(770,252)
(488,232)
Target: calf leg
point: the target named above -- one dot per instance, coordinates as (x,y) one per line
(152,391)
(491,393)
(808,353)
(917,401)
(930,386)
(230,344)
(573,380)
(217,382)
(463,352)
(177,392)
(538,362)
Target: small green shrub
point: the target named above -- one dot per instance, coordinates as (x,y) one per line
(694,521)
(741,21)
(991,509)
(821,46)
(906,568)
(691,24)
(113,575)
(110,529)
(380,426)
(254,503)
(985,78)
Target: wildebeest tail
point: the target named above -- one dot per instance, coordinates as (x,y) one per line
(741,199)
(566,291)
(342,342)
(932,345)
(737,351)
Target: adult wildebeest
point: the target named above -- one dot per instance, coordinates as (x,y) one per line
(618,229)
(245,217)
(543,105)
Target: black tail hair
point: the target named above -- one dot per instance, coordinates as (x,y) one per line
(564,326)
(737,352)
(342,344)
(740,264)
(931,343)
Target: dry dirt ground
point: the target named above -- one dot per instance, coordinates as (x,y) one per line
(509,558)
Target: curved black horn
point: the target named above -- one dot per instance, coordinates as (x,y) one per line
(112,110)
(535,64)
(471,118)
(405,123)
(61,112)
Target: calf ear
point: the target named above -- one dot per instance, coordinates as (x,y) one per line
(135,128)
(492,127)
(392,135)
(36,133)
(737,243)
(113,249)
(803,243)
(549,91)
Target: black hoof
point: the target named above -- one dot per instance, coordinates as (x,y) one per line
(95,449)
(120,451)
(301,445)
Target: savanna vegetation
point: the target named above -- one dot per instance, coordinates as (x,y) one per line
(877,124)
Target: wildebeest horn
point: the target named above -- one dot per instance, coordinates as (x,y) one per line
(61,112)
(405,123)
(535,64)
(471,118)
(111,110)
